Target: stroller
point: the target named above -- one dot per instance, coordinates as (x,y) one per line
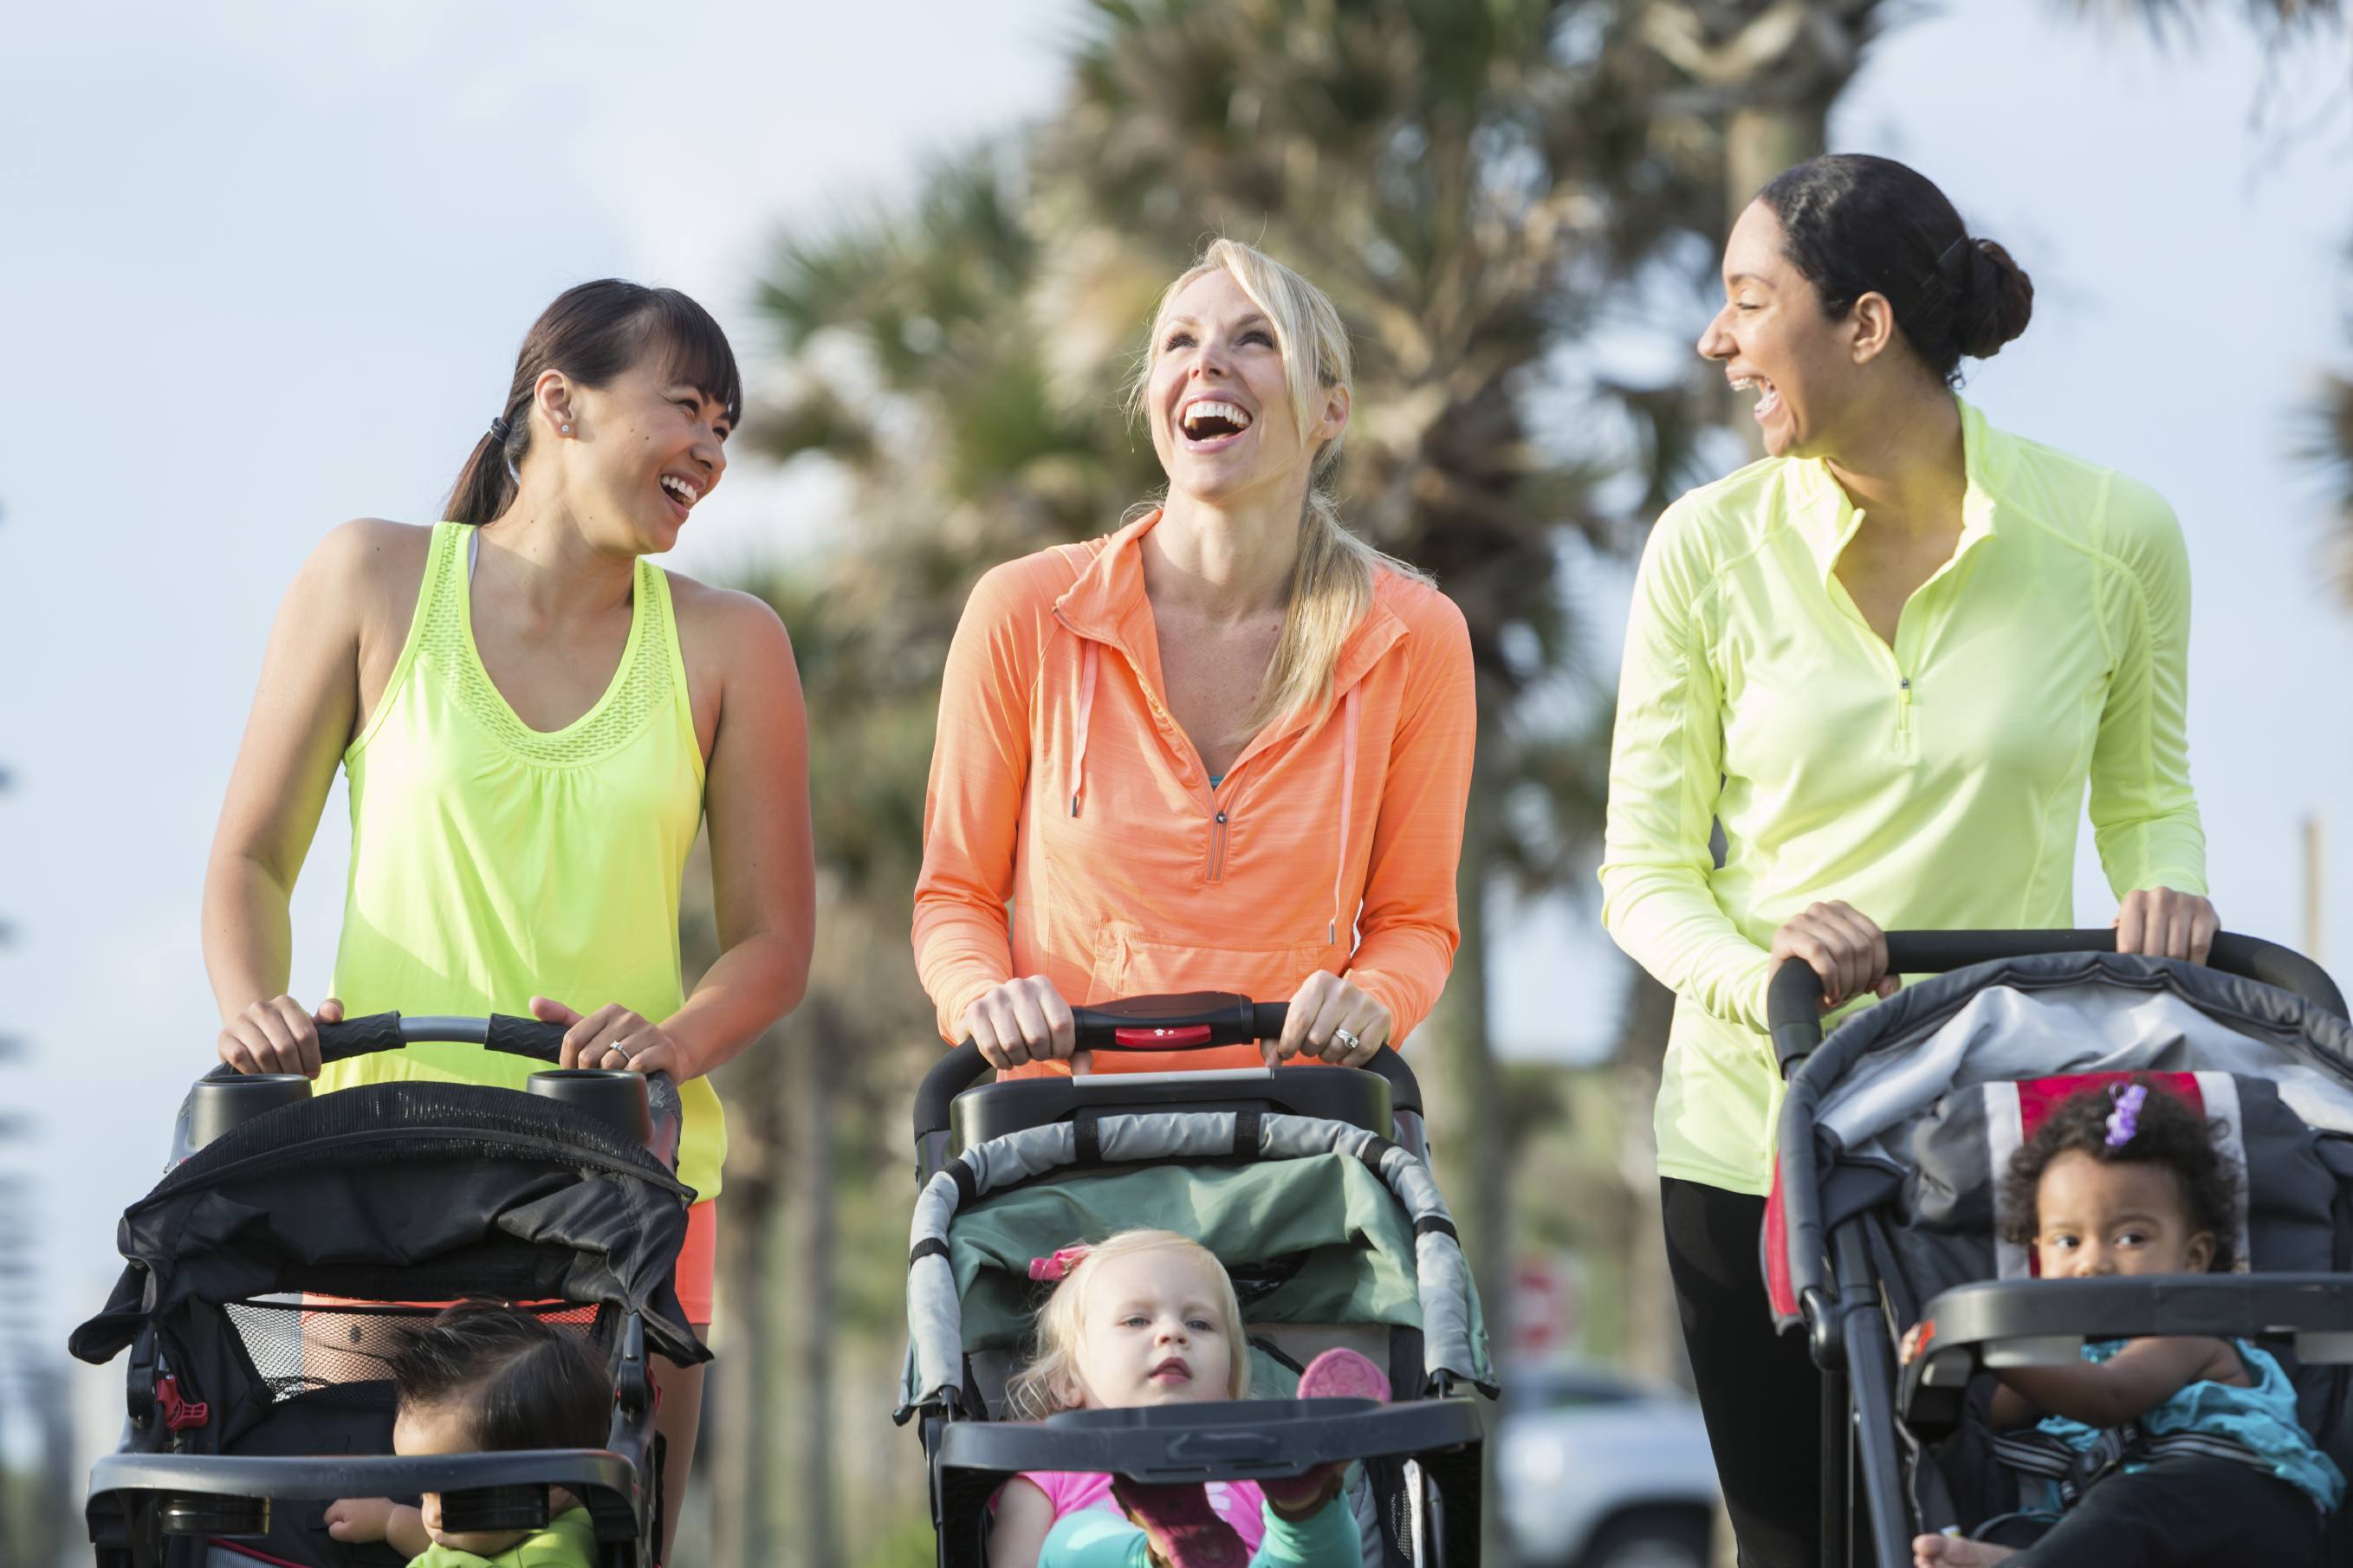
(1892,1140)
(1311,1187)
(293,1242)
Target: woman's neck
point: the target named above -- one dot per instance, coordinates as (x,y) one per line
(1224,562)
(545,559)
(1903,465)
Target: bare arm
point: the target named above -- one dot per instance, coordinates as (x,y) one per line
(2125,1387)
(763,863)
(1025,1514)
(303,712)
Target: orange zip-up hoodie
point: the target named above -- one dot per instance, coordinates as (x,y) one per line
(1062,788)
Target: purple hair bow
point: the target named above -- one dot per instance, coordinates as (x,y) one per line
(2125,1119)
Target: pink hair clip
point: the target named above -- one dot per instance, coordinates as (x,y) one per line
(1058,1267)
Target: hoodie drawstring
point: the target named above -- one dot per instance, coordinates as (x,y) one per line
(1347,802)
(1089,651)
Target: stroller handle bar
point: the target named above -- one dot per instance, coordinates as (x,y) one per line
(1793,1001)
(500,1032)
(390,1031)
(1190,1021)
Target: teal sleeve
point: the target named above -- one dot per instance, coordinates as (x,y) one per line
(1324,1539)
(1093,1539)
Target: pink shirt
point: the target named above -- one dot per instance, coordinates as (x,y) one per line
(1078,1491)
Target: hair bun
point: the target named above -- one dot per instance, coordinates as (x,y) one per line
(1997,300)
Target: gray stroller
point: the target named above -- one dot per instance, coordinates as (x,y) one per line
(1892,1141)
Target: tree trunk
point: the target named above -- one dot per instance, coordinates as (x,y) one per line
(1760,140)
(811,1282)
(1654,1341)
(742,1397)
(1467,1121)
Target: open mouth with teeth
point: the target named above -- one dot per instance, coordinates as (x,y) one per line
(1209,425)
(1769,401)
(681,493)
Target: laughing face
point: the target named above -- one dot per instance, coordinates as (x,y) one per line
(1773,340)
(1152,1331)
(652,447)
(1220,403)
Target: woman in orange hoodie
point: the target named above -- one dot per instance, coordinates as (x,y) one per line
(1224,748)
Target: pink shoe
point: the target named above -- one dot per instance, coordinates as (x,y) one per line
(1184,1531)
(1335,1375)
(1342,1375)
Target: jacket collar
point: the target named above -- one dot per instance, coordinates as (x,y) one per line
(1108,604)
(1826,518)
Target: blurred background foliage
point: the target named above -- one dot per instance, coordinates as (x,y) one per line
(1490,190)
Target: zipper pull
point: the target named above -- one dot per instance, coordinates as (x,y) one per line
(1904,690)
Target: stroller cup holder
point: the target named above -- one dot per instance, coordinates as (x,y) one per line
(217,1105)
(607,1094)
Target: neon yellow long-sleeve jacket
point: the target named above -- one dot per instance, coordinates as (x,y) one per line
(1934,785)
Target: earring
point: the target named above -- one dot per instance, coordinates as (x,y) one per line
(564,429)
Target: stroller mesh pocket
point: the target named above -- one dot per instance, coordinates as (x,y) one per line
(304,1344)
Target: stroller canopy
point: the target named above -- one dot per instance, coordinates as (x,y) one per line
(408,1190)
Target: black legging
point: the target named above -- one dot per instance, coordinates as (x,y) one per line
(1758,1390)
(2184,1512)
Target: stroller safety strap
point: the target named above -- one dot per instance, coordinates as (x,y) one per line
(2074,1471)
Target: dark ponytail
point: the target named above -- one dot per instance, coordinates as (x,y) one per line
(593,333)
(1855,225)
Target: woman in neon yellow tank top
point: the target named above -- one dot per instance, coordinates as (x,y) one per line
(535,720)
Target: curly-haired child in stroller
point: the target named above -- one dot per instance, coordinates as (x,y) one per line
(1148,1317)
(484,1377)
(2173,1450)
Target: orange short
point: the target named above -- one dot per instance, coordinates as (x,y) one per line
(698,1260)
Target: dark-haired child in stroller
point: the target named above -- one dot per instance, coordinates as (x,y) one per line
(483,1377)
(2180,1449)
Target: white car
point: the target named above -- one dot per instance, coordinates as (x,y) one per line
(1599,1471)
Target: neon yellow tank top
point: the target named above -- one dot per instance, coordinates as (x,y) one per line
(492,862)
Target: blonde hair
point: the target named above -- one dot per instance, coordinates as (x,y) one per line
(1050,1381)
(1331,579)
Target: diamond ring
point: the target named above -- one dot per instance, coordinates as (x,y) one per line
(1346,1040)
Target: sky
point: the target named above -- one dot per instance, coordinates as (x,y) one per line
(266,267)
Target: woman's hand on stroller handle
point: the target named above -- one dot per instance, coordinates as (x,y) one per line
(1021,1021)
(1333,1020)
(278,1036)
(613,1039)
(1845,948)
(2163,923)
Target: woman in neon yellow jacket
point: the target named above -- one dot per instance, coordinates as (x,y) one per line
(1889,660)
(535,720)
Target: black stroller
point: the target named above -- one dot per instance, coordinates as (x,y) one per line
(293,1241)
(1309,1184)
(1882,1212)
